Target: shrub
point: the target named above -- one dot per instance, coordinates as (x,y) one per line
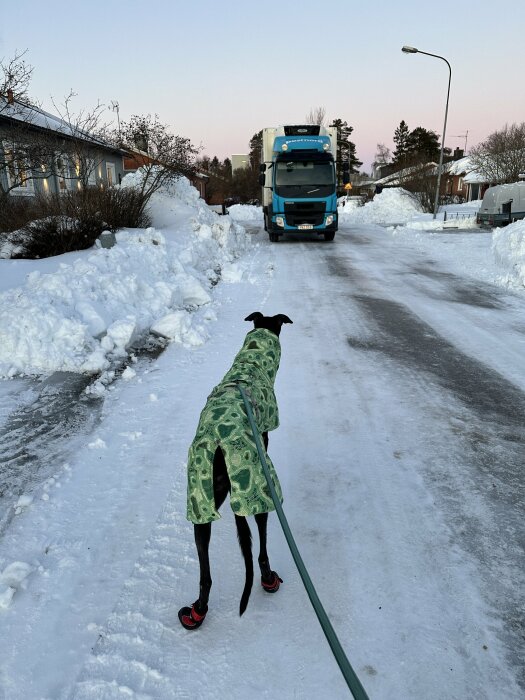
(73,221)
(15,212)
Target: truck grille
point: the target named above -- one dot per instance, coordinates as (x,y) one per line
(304,213)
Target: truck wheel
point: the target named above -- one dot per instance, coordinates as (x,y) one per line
(274,237)
(329,235)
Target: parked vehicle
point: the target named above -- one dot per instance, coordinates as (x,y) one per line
(298,177)
(502,205)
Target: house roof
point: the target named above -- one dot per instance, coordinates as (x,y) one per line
(465,167)
(37,118)
(403,175)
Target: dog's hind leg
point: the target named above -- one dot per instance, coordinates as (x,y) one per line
(193,617)
(270,580)
(244,536)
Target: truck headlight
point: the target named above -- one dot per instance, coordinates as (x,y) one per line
(284,146)
(279,220)
(326,146)
(329,220)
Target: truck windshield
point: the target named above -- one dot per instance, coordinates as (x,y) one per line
(304,179)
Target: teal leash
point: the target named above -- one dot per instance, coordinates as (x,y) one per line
(348,672)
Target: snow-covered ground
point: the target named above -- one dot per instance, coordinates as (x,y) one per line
(77,311)
(97,561)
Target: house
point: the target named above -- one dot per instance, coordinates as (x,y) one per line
(42,153)
(461,182)
(136,158)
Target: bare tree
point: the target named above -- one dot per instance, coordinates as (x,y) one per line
(420,179)
(82,133)
(316,116)
(161,156)
(24,157)
(15,76)
(501,157)
(383,155)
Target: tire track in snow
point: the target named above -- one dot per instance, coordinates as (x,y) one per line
(491,427)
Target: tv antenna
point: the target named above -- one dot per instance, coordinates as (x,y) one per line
(115,107)
(462,136)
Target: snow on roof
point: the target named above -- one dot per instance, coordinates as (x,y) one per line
(37,117)
(458,167)
(401,176)
(463,166)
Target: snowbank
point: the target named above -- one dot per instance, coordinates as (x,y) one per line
(393,205)
(245,212)
(508,246)
(92,308)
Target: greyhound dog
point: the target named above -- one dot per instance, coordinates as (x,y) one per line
(223,459)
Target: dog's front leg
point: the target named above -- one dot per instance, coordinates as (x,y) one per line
(202,541)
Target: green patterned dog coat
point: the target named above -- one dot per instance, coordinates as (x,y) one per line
(224,423)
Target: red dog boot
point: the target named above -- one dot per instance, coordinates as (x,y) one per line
(273,585)
(190,618)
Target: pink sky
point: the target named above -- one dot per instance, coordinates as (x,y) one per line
(218,73)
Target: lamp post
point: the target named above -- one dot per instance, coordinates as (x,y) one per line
(411,49)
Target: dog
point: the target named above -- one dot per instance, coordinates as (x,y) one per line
(223,459)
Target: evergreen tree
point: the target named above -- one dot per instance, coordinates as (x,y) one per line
(423,145)
(345,149)
(256,151)
(402,141)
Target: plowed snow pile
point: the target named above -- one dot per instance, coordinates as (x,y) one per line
(391,206)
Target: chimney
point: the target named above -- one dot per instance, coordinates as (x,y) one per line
(10,97)
(458,153)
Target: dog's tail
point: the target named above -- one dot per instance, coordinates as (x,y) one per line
(244,536)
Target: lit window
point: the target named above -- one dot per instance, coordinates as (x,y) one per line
(19,175)
(63,174)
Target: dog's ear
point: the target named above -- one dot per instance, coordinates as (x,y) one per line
(256,316)
(282,318)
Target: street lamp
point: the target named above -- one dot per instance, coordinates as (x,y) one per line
(411,49)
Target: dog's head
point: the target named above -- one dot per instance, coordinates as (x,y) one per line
(271,323)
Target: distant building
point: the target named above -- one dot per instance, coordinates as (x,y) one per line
(240,161)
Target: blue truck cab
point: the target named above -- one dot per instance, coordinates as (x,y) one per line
(298,177)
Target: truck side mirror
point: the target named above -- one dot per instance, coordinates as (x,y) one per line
(262,179)
(262,167)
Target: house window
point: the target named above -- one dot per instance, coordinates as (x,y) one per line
(63,173)
(92,176)
(19,175)
(85,169)
(110,174)
(460,183)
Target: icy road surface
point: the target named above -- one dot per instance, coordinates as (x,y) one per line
(400,452)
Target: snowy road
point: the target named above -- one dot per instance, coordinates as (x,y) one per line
(400,451)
